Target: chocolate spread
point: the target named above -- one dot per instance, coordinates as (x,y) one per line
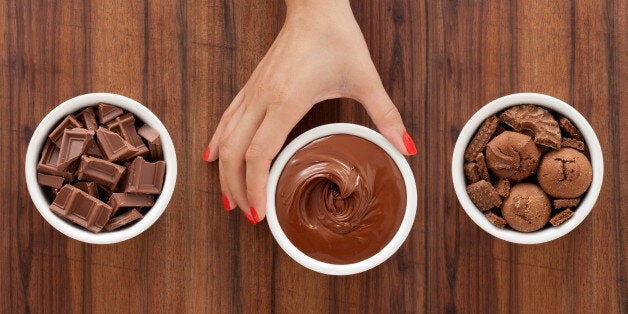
(340,199)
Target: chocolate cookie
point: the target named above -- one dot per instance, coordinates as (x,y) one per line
(527,208)
(565,173)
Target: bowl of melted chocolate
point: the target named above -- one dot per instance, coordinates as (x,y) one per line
(341,199)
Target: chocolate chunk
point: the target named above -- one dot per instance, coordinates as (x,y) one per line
(561,217)
(108,112)
(50,180)
(123,219)
(499,222)
(503,188)
(471,172)
(566,202)
(573,143)
(537,120)
(120,200)
(483,195)
(104,193)
(89,118)
(48,162)
(145,177)
(93,150)
(100,171)
(73,145)
(568,127)
(68,123)
(81,208)
(113,146)
(154,141)
(87,187)
(125,126)
(482,137)
(482,169)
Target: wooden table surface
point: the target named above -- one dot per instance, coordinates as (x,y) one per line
(439,60)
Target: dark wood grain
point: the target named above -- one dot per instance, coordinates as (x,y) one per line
(440,61)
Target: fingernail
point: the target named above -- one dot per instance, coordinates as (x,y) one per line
(252,217)
(409,143)
(206,154)
(225,202)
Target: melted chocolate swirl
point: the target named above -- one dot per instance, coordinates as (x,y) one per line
(340,199)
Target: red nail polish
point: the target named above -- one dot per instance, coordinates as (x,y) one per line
(206,154)
(225,202)
(252,217)
(254,214)
(409,143)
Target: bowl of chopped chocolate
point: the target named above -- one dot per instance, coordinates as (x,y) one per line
(101,168)
(527,168)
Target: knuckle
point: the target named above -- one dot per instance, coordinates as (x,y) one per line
(256,152)
(253,191)
(391,114)
(227,151)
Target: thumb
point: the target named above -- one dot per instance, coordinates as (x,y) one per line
(386,117)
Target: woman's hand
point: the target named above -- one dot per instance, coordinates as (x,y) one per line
(319,54)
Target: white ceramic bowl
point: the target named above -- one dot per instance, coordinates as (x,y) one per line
(398,238)
(39,139)
(587,201)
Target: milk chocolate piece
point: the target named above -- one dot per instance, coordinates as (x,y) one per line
(537,120)
(568,127)
(120,200)
(50,180)
(73,145)
(114,147)
(573,143)
(499,222)
(81,208)
(471,172)
(561,217)
(125,126)
(154,141)
(483,195)
(89,118)
(108,112)
(482,169)
(87,187)
(48,162)
(100,171)
(566,202)
(503,188)
(482,137)
(68,123)
(123,219)
(93,150)
(145,177)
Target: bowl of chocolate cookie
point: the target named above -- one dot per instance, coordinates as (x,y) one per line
(527,168)
(100,168)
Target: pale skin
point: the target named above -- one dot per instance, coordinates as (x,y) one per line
(320,53)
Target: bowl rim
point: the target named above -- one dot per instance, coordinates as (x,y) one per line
(39,137)
(558,106)
(404,228)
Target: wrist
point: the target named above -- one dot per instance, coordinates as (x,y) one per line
(318,7)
